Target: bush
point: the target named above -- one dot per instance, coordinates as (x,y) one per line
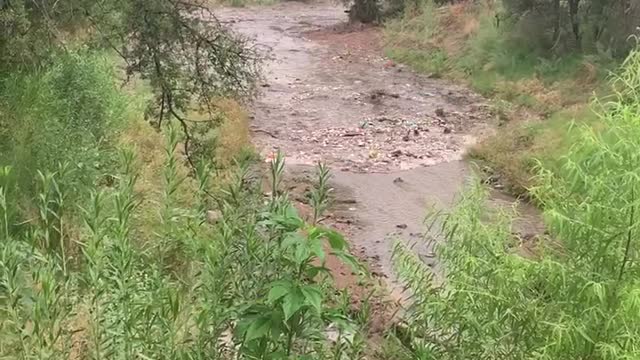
(68,112)
(569,294)
(250,284)
(560,26)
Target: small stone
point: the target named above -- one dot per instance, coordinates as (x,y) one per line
(498,187)
(440,112)
(213,216)
(398,180)
(447,130)
(405,138)
(396,153)
(493,179)
(416,132)
(401,226)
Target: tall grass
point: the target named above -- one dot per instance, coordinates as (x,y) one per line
(250,285)
(67,112)
(573,294)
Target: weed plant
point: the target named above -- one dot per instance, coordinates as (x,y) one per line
(252,285)
(574,293)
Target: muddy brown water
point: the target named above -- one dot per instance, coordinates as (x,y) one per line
(394,139)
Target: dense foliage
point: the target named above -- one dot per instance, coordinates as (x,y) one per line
(549,27)
(561,25)
(95,263)
(179,47)
(569,294)
(103,256)
(251,284)
(68,112)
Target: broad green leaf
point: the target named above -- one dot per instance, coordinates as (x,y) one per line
(277,324)
(291,212)
(314,232)
(336,240)
(292,239)
(350,260)
(278,290)
(313,296)
(315,245)
(302,253)
(313,271)
(258,328)
(292,303)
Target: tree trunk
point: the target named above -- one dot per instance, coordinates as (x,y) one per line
(575,22)
(558,23)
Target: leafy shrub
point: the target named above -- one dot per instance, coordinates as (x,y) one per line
(569,294)
(68,112)
(564,25)
(249,284)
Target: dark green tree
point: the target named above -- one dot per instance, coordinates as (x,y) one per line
(178,46)
(580,25)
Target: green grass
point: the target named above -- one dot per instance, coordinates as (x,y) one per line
(433,62)
(68,112)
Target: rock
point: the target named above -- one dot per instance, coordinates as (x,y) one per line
(401,226)
(346,201)
(406,138)
(447,130)
(498,186)
(440,112)
(213,216)
(416,132)
(396,153)
(351,134)
(398,180)
(493,179)
(332,333)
